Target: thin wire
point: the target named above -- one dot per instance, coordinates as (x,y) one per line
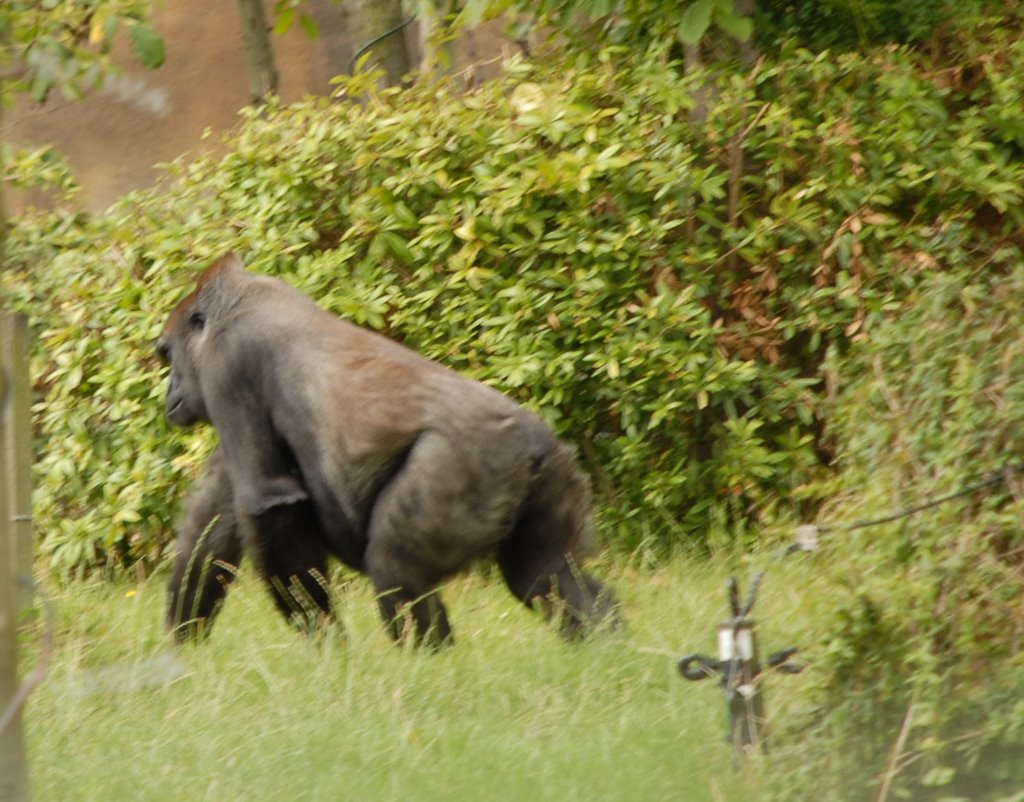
(995,478)
(372,42)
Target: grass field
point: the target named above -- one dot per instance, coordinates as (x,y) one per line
(510,713)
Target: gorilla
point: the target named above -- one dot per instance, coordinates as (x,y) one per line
(335,440)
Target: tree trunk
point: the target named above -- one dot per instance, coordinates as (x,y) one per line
(378,29)
(262,72)
(437,45)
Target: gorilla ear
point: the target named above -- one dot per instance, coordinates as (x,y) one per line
(229,262)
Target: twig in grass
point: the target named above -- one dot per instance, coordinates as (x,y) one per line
(897,751)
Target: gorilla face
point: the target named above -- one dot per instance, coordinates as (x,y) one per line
(184,405)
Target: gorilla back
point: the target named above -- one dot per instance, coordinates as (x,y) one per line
(413,470)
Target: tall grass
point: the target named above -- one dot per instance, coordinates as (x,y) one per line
(510,713)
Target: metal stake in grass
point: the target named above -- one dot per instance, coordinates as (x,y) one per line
(739,665)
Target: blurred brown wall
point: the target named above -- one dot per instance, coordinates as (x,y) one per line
(115,135)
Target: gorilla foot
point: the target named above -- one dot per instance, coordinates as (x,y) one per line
(420,621)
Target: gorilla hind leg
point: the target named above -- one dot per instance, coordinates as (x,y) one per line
(290,550)
(209,553)
(425,614)
(538,560)
(408,600)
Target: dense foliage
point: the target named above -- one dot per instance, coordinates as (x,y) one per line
(663,294)
(924,667)
(845,24)
(714,24)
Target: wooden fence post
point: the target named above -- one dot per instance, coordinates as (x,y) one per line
(16,450)
(15,556)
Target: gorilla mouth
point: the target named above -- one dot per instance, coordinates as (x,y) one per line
(177,413)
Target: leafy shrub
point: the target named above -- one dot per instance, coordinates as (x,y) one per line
(714,24)
(845,24)
(922,671)
(663,295)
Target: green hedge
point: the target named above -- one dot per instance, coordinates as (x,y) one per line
(563,233)
(923,655)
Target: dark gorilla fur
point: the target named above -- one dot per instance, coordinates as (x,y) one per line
(210,548)
(336,440)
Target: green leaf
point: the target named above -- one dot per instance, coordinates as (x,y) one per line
(405,215)
(734,24)
(939,776)
(398,247)
(309,26)
(147,46)
(474,12)
(110,27)
(285,20)
(695,22)
(40,87)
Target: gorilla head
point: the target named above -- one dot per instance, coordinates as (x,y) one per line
(179,345)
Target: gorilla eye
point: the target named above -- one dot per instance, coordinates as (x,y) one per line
(197,320)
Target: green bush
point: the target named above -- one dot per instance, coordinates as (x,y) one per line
(664,295)
(715,24)
(846,24)
(923,667)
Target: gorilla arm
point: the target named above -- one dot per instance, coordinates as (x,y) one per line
(259,462)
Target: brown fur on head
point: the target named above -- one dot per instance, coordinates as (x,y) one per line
(227,263)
